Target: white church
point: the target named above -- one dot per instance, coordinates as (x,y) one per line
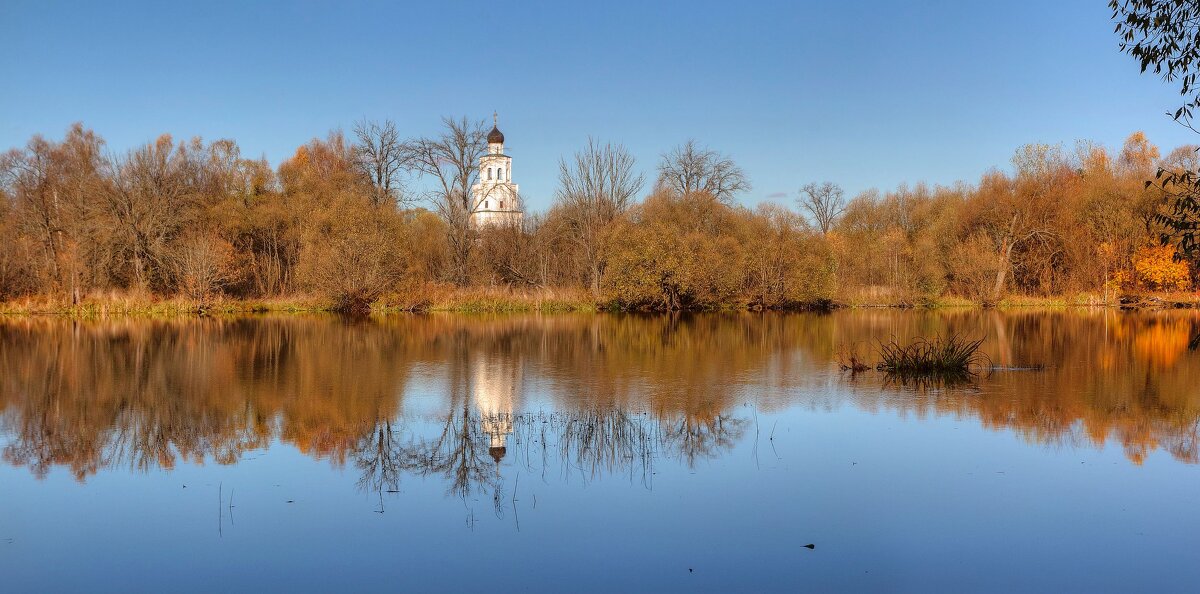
(495,200)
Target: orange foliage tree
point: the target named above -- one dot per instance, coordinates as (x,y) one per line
(1158,268)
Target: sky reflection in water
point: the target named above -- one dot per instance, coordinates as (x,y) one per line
(596,453)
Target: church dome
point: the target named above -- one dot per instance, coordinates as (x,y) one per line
(495,136)
(497,453)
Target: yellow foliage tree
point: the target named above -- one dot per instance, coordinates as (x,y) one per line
(1157,268)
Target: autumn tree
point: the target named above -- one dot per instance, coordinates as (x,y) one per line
(31,175)
(870,245)
(554,257)
(52,185)
(673,253)
(1108,228)
(355,253)
(323,166)
(1162,36)
(784,264)
(689,168)
(146,199)
(824,203)
(14,273)
(1157,268)
(1016,213)
(594,188)
(973,267)
(448,162)
(511,252)
(349,248)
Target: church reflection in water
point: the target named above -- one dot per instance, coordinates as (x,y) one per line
(560,395)
(495,381)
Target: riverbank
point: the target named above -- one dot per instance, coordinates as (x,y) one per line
(499,300)
(435,300)
(1087,300)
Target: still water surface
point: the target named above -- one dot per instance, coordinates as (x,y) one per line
(597,453)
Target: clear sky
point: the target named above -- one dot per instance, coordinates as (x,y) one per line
(865,94)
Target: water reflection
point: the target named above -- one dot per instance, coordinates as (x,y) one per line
(463,398)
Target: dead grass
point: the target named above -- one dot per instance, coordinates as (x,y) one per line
(134,304)
(448,298)
(489,300)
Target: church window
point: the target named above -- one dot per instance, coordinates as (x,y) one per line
(489,173)
(500,174)
(485,205)
(501,205)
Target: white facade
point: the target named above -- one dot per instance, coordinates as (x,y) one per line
(495,199)
(496,380)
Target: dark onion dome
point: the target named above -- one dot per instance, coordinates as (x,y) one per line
(497,452)
(495,136)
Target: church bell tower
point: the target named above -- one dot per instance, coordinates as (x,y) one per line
(495,199)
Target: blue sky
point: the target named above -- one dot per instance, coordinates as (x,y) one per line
(865,94)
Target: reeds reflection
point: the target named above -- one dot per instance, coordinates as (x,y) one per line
(580,394)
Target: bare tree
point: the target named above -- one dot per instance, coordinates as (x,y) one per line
(689,168)
(594,189)
(32,174)
(15,277)
(203,265)
(146,200)
(1020,210)
(824,202)
(449,159)
(380,155)
(49,183)
(511,252)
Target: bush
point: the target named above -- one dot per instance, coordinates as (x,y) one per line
(676,254)
(355,254)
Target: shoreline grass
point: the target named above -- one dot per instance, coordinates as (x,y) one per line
(498,300)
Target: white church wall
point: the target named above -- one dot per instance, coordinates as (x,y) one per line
(495,199)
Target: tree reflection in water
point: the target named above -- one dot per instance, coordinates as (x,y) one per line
(583,444)
(566,396)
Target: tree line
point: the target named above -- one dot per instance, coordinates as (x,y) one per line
(380,219)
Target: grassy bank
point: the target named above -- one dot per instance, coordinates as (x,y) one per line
(486,300)
(915,303)
(1090,300)
(1123,301)
(149,306)
(1077,300)
(501,300)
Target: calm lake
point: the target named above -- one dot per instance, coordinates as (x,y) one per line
(597,453)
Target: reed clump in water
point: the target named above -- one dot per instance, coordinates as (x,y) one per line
(932,356)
